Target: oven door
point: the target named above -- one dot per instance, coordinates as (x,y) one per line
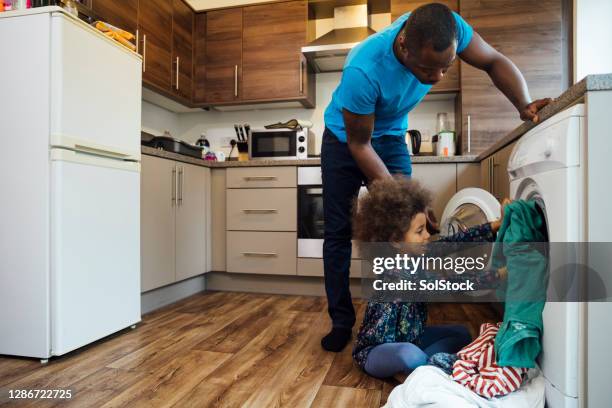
(273,144)
(310,221)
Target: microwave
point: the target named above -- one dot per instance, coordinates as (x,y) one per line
(278,144)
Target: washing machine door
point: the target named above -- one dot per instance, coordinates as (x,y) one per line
(467,208)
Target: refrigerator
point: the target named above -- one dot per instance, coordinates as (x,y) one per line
(70,104)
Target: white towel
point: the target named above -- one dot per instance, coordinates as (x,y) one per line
(431,387)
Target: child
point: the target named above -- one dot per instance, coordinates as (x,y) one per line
(393,338)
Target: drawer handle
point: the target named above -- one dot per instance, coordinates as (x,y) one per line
(259,178)
(261,254)
(259,211)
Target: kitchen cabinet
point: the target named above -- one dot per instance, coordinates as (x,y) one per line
(253,55)
(468,175)
(269,253)
(199,55)
(532,38)
(120,13)
(273,66)
(175,218)
(155,35)
(494,173)
(182,50)
(223,55)
(440,179)
(450,81)
(217,219)
(192,221)
(261,220)
(157,222)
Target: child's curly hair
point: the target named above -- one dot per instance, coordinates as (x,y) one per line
(385,213)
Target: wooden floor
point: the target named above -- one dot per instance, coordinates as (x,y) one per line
(219,349)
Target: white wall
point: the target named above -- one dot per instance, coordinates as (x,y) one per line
(156,120)
(592,37)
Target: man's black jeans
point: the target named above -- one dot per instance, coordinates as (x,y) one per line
(342,179)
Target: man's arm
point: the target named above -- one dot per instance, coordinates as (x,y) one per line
(358,135)
(505,75)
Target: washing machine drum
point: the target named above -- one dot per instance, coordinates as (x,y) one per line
(468,208)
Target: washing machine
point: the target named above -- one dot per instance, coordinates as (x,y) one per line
(545,166)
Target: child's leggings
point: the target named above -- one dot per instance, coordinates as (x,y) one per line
(388,359)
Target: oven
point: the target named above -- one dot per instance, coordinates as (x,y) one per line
(278,144)
(311,225)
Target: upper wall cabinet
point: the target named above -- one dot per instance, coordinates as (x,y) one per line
(223,56)
(120,13)
(155,26)
(532,38)
(272,65)
(199,55)
(253,55)
(450,82)
(182,49)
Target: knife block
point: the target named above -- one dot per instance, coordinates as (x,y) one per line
(243,151)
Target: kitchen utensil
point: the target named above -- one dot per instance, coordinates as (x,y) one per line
(446,144)
(415,141)
(237,129)
(442,122)
(247,128)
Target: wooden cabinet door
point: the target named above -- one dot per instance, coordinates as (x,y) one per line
(192,214)
(223,55)
(501,179)
(532,38)
(182,58)
(120,13)
(450,81)
(199,68)
(272,67)
(155,24)
(157,223)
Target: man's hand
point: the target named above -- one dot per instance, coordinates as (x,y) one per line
(530,112)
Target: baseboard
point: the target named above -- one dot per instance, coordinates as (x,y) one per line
(156,298)
(275,284)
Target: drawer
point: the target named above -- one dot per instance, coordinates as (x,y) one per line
(261,209)
(269,253)
(314,267)
(262,177)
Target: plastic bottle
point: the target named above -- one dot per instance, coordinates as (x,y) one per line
(7,5)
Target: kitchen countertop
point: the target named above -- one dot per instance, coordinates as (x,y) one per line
(149,151)
(602,82)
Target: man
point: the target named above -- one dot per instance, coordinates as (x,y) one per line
(384,78)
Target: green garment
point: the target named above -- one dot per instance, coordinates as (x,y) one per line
(517,343)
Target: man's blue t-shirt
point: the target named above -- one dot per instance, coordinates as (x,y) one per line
(374,81)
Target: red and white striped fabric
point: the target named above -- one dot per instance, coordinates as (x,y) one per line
(477,370)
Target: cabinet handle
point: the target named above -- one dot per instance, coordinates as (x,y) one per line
(235,81)
(261,254)
(181,175)
(177,73)
(469,133)
(259,211)
(301,76)
(144,53)
(173,185)
(258,178)
(491,175)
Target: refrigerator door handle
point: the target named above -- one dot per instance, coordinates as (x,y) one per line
(63,141)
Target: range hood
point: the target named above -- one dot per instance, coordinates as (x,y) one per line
(328,52)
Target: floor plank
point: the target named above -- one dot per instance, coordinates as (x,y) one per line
(330,396)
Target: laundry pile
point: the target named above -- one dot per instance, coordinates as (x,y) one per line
(477,369)
(498,368)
